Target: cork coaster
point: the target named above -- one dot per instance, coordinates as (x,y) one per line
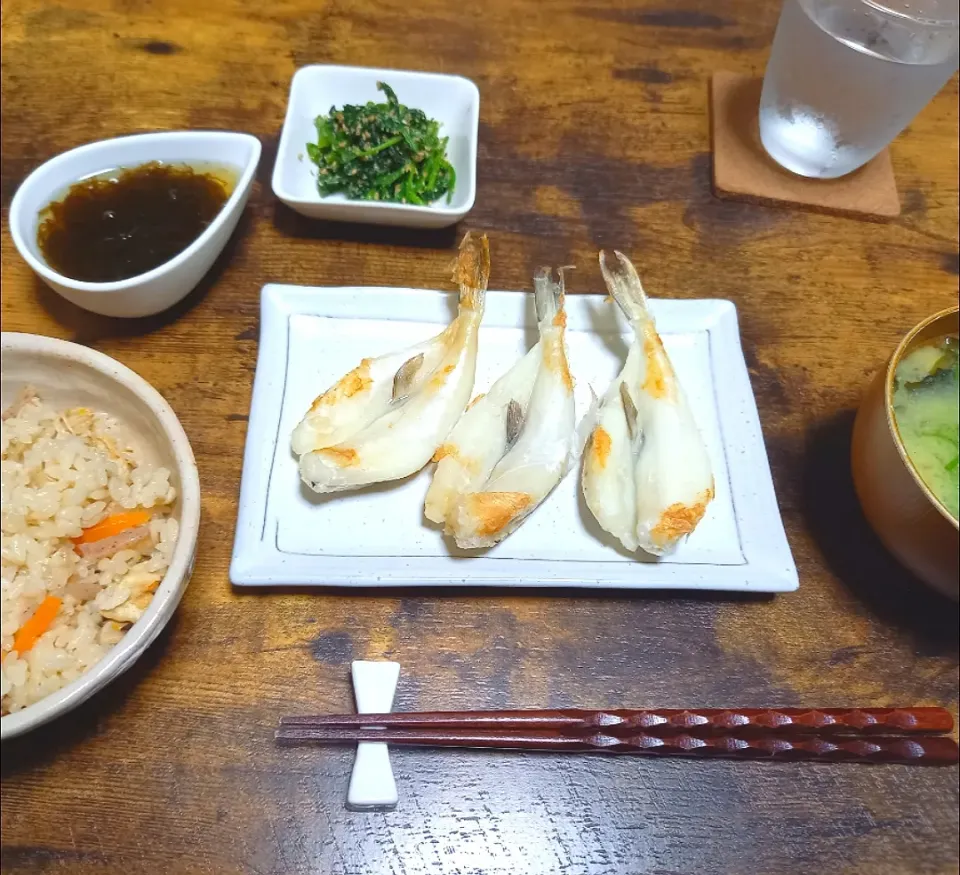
(742,170)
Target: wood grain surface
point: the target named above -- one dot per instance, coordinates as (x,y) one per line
(593,132)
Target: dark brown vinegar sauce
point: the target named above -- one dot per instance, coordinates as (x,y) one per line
(123,222)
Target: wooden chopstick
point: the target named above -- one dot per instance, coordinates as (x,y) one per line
(912,750)
(701,722)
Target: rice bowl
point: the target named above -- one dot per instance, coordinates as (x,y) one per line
(87,538)
(100,517)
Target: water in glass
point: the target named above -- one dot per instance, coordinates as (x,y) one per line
(846,76)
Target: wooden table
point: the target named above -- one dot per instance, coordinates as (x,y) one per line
(593,132)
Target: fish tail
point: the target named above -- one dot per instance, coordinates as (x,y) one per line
(548,295)
(624,284)
(471,271)
(552,318)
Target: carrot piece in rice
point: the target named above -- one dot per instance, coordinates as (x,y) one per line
(28,634)
(113,525)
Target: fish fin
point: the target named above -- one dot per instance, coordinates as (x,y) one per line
(547,295)
(514,422)
(625,286)
(471,271)
(629,411)
(562,282)
(403,379)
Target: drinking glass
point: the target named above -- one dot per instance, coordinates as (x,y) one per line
(846,76)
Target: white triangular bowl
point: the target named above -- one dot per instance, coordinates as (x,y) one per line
(163,286)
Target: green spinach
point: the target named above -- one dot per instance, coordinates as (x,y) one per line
(382,152)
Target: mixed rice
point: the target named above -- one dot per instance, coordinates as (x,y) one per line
(86,538)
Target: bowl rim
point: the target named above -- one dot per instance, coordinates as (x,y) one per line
(17,213)
(436,208)
(135,642)
(889,377)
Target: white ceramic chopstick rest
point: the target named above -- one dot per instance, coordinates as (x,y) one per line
(372,785)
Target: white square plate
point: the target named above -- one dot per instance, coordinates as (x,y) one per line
(309,337)
(451,100)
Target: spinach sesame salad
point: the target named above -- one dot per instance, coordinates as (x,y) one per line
(382,152)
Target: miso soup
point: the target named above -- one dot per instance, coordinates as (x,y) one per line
(927,410)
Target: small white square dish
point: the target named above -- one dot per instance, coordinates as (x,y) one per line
(309,337)
(451,100)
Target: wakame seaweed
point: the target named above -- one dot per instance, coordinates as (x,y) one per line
(382,151)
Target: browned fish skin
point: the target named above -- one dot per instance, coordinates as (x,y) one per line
(600,446)
(680,519)
(494,511)
(350,384)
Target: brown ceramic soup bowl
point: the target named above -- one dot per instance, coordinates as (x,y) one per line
(909,519)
